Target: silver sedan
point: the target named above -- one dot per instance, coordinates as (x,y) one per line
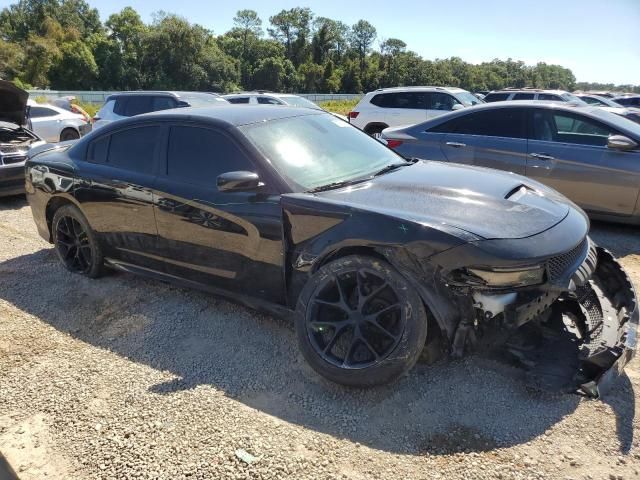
(588,154)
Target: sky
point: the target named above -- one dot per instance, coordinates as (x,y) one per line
(599,40)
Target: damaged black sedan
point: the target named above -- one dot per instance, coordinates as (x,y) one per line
(377,258)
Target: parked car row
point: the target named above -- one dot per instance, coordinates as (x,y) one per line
(376,258)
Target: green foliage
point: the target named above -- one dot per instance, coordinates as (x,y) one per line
(342,107)
(63,44)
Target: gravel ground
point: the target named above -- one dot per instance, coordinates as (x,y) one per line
(125,377)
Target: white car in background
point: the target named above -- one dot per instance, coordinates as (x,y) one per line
(270,98)
(55,124)
(393,107)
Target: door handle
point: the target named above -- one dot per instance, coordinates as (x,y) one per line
(541,156)
(456,144)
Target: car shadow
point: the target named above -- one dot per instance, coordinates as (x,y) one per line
(466,405)
(620,239)
(14,202)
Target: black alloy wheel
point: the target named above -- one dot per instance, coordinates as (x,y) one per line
(355,319)
(75,242)
(359,322)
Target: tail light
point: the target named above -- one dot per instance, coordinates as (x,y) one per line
(392,143)
(353,115)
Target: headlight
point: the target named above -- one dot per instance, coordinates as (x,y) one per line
(498,277)
(510,277)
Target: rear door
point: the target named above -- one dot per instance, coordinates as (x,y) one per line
(230,240)
(568,151)
(116,191)
(405,108)
(494,138)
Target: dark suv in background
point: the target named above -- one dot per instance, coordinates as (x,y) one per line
(129,104)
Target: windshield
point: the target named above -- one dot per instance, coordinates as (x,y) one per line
(569,97)
(300,102)
(204,100)
(468,99)
(316,150)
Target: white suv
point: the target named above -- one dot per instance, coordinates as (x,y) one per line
(392,107)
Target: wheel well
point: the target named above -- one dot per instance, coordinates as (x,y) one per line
(73,129)
(346,251)
(54,204)
(374,126)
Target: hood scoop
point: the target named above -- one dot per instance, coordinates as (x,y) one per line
(517,193)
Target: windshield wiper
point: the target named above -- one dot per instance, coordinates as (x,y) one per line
(392,167)
(334,185)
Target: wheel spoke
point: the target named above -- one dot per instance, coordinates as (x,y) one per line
(338,305)
(336,335)
(382,329)
(342,296)
(376,315)
(365,299)
(65,244)
(369,347)
(354,342)
(69,224)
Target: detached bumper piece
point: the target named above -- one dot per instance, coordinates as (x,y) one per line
(585,339)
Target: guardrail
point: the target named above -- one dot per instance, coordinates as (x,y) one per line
(99,96)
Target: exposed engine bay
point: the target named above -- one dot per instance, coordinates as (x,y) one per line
(15,141)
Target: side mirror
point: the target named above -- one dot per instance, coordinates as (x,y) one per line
(238,181)
(457,106)
(620,142)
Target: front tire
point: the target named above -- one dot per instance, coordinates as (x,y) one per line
(360,323)
(76,243)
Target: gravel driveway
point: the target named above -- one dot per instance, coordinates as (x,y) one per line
(125,377)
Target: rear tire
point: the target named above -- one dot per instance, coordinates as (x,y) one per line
(76,243)
(360,323)
(69,134)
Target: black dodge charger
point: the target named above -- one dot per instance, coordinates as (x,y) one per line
(378,259)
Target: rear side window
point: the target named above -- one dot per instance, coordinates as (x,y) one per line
(548,96)
(496,97)
(138,105)
(524,96)
(268,101)
(504,122)
(198,155)
(410,100)
(98,150)
(163,103)
(134,149)
(239,100)
(120,106)
(39,112)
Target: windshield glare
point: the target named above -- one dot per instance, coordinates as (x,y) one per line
(316,150)
(569,97)
(468,99)
(204,100)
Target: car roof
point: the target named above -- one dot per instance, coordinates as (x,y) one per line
(528,90)
(228,115)
(172,93)
(425,88)
(597,113)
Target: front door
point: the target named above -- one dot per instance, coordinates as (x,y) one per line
(230,240)
(569,152)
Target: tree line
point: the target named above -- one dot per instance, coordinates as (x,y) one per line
(63,44)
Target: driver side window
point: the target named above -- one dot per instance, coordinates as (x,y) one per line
(566,127)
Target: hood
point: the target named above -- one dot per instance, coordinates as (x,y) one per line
(487,203)
(13,103)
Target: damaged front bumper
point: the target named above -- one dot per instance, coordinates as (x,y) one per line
(576,334)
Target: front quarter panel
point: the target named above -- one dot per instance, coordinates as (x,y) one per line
(316,232)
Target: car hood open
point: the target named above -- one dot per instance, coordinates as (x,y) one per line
(487,203)
(13,103)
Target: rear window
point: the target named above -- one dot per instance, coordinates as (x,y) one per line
(268,101)
(496,97)
(524,96)
(238,100)
(98,150)
(503,122)
(133,149)
(132,105)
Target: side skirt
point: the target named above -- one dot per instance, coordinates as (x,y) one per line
(249,302)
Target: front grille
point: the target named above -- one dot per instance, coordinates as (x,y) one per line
(13,159)
(557,266)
